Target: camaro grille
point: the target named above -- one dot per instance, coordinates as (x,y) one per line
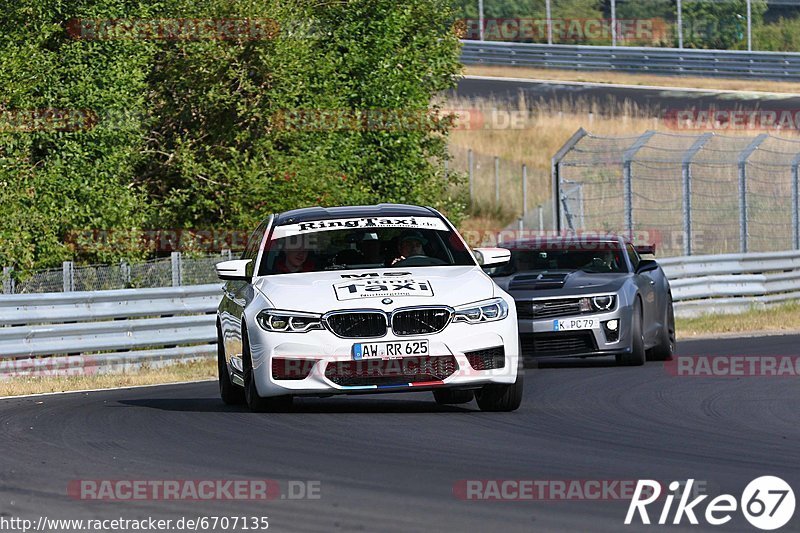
(420,321)
(561,343)
(487,359)
(548,308)
(391,371)
(357,324)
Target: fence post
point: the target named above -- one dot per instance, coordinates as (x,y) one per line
(68,271)
(470,165)
(541,217)
(680,24)
(743,157)
(796,202)
(627,178)
(177,267)
(8,281)
(555,174)
(480,18)
(125,273)
(686,172)
(524,190)
(496,181)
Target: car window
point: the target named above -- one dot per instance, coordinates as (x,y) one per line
(253,245)
(633,255)
(596,259)
(351,244)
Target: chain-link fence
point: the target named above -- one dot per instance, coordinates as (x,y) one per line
(172,271)
(692,194)
(498,184)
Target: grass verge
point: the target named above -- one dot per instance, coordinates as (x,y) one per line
(784,318)
(693,82)
(191,371)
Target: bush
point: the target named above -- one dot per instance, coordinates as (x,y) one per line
(186,132)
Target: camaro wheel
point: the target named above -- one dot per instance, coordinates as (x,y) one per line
(230,393)
(254,401)
(450,396)
(500,397)
(665,348)
(637,355)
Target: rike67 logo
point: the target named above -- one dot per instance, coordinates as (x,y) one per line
(767,503)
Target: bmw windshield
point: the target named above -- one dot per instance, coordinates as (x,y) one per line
(359,243)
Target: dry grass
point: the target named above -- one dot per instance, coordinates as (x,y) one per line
(784,318)
(196,370)
(635,79)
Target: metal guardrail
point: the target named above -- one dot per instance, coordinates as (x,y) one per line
(673,61)
(102,331)
(732,283)
(106,331)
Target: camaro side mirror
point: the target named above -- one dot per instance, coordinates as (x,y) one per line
(491,257)
(235,270)
(646,265)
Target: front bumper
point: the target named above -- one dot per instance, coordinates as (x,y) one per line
(328,359)
(540,338)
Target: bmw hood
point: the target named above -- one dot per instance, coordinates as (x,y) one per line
(560,283)
(385,288)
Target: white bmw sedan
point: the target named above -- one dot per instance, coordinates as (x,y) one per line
(365,299)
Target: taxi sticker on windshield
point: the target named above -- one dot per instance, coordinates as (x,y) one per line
(380,288)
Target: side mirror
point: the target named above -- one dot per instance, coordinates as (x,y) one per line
(646,265)
(491,257)
(235,270)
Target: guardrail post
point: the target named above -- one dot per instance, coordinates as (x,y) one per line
(627,179)
(796,202)
(743,157)
(471,170)
(177,267)
(8,281)
(686,171)
(68,270)
(555,175)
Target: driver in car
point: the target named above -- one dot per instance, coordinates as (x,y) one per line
(410,245)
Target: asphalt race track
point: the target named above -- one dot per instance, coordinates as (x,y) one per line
(390,463)
(658,101)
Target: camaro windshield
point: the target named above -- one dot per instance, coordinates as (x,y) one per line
(351,244)
(596,259)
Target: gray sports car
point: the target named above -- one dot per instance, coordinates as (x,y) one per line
(587,297)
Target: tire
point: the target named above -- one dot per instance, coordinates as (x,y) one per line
(637,355)
(665,349)
(452,397)
(231,394)
(254,401)
(497,398)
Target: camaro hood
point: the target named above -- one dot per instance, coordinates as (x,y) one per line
(320,292)
(560,283)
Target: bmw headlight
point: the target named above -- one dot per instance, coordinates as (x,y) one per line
(288,321)
(488,311)
(599,303)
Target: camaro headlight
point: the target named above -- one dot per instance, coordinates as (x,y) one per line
(603,302)
(488,311)
(288,321)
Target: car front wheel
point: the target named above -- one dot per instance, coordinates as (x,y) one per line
(495,397)
(230,393)
(254,401)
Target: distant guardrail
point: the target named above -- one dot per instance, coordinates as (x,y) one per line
(673,61)
(104,331)
(732,283)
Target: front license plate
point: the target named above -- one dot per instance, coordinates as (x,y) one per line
(570,324)
(389,350)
